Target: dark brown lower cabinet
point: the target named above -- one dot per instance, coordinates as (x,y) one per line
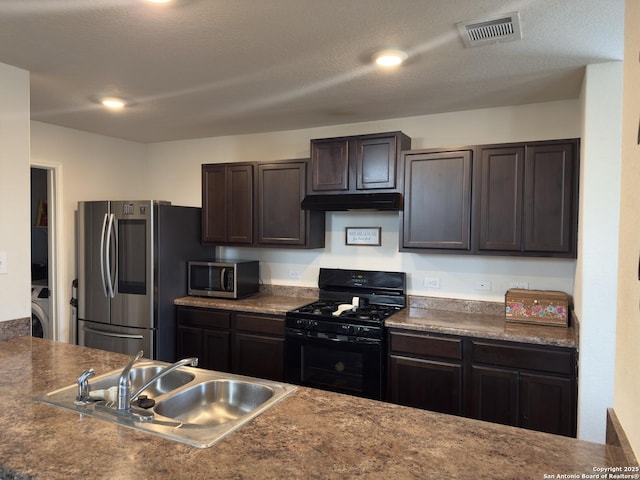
(426,372)
(529,386)
(548,404)
(204,334)
(258,346)
(247,344)
(427,384)
(494,395)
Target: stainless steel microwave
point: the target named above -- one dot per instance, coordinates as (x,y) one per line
(223,279)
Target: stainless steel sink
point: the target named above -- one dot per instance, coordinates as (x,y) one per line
(193,406)
(215,402)
(143,372)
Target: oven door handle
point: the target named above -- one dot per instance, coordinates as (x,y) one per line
(324,338)
(321,337)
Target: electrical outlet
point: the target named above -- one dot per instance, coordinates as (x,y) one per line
(295,274)
(432,282)
(483,285)
(3,263)
(519,284)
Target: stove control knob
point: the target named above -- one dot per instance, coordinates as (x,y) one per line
(351,329)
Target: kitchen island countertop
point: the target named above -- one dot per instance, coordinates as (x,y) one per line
(310,434)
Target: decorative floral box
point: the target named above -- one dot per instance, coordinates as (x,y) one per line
(543,307)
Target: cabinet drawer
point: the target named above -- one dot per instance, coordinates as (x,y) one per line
(425,345)
(200,317)
(260,323)
(525,358)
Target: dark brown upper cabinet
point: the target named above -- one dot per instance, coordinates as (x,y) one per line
(227,204)
(526,198)
(437,196)
(500,183)
(280,221)
(357,164)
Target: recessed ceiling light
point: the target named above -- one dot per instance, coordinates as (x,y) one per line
(113,103)
(390,58)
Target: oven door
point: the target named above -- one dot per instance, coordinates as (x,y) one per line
(335,363)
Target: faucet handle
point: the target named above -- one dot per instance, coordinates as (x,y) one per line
(83,387)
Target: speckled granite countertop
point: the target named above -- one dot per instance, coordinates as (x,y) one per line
(260,303)
(310,434)
(480,326)
(425,314)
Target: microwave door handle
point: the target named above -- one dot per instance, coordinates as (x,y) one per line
(102,255)
(108,256)
(223,271)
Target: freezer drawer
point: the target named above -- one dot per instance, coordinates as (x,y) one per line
(116,339)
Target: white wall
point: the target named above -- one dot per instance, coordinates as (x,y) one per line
(627,380)
(15,213)
(91,167)
(175,167)
(596,274)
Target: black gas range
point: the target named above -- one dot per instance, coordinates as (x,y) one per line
(337,342)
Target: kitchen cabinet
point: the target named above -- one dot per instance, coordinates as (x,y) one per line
(357,164)
(504,199)
(205,334)
(258,346)
(227,204)
(527,198)
(238,342)
(425,371)
(437,197)
(280,220)
(529,386)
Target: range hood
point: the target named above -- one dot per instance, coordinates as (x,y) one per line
(353,201)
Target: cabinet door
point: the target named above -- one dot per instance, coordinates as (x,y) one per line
(189,343)
(281,188)
(437,212)
(500,184)
(549,198)
(227,203)
(376,163)
(214,211)
(330,165)
(215,350)
(428,384)
(239,204)
(258,356)
(494,395)
(547,404)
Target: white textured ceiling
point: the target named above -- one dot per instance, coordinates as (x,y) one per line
(205,68)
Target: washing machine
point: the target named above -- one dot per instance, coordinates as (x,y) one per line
(40,320)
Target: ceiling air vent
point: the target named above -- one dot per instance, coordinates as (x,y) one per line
(504,28)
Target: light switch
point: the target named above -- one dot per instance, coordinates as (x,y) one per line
(3,263)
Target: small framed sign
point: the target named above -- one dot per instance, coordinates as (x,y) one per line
(363,235)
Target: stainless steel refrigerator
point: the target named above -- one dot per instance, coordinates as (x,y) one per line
(132,264)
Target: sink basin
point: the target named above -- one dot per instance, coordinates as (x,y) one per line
(141,374)
(215,402)
(193,406)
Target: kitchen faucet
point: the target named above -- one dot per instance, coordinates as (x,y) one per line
(125,398)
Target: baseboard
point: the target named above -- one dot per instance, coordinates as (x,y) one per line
(618,446)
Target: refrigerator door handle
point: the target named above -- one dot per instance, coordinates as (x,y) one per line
(102,255)
(115,335)
(110,275)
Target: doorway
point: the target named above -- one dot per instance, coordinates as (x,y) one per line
(43,265)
